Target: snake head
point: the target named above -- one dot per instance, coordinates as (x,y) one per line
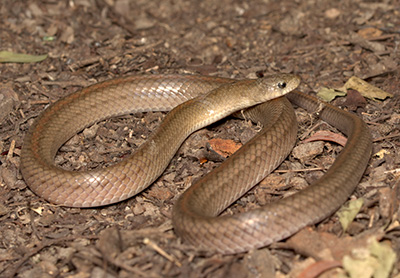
(278,85)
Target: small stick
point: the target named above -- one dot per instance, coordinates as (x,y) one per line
(161,251)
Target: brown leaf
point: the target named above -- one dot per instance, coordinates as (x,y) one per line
(327,246)
(8,100)
(318,268)
(324,135)
(354,99)
(110,242)
(308,150)
(160,193)
(369,33)
(224,147)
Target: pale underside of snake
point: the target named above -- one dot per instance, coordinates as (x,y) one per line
(198,101)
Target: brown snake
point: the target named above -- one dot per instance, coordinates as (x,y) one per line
(199,101)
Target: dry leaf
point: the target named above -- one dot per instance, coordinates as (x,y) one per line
(366,89)
(324,135)
(369,33)
(224,147)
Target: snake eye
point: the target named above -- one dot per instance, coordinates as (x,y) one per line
(282,85)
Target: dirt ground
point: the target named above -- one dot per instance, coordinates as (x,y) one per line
(325,42)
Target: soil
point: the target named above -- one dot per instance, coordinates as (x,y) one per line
(87,41)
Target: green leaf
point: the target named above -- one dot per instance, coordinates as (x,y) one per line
(11,57)
(329,94)
(386,258)
(373,261)
(348,212)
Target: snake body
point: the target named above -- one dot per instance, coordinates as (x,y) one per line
(196,102)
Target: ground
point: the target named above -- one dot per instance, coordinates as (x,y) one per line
(325,42)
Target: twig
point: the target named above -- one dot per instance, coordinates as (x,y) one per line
(161,252)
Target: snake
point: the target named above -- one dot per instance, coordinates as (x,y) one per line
(193,102)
